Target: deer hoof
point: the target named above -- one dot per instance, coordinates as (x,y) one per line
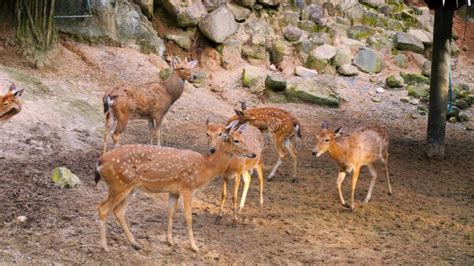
(346,205)
(234,224)
(390,193)
(294,180)
(136,246)
(194,248)
(218,220)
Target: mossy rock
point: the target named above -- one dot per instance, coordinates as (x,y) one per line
(316,90)
(360,32)
(254,51)
(275,82)
(394,81)
(401,60)
(414,78)
(418,91)
(64,178)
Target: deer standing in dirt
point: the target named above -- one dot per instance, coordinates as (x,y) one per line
(10,103)
(362,147)
(281,124)
(149,101)
(159,170)
(238,166)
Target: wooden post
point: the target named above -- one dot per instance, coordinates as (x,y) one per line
(439,82)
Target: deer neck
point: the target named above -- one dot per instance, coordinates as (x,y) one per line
(174,85)
(217,163)
(337,149)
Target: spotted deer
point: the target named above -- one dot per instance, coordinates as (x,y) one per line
(362,147)
(10,103)
(238,166)
(282,126)
(157,169)
(149,101)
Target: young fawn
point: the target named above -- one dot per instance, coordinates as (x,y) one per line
(281,124)
(238,166)
(149,101)
(10,103)
(364,146)
(162,170)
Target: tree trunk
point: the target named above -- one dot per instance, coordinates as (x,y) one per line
(439,82)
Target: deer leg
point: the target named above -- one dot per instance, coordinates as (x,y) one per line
(105,207)
(188,214)
(108,128)
(355,176)
(373,173)
(223,198)
(172,206)
(281,155)
(293,154)
(247,178)
(158,120)
(234,198)
(260,181)
(121,123)
(340,179)
(151,127)
(119,213)
(385,165)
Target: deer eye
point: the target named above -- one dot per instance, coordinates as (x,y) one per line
(326,140)
(181,68)
(220,134)
(236,141)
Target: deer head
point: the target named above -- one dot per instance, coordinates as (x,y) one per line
(324,138)
(183,69)
(9,101)
(228,138)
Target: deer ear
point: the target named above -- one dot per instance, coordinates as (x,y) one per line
(12,87)
(18,93)
(208,120)
(338,131)
(243,106)
(239,113)
(325,125)
(192,64)
(242,128)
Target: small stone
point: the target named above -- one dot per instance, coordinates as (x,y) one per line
(414,101)
(405,99)
(452,119)
(21,219)
(347,70)
(394,81)
(376,99)
(379,90)
(64,178)
(275,82)
(305,72)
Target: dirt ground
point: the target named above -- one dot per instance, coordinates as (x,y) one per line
(428,220)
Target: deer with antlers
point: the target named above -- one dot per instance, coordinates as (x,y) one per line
(149,101)
(10,103)
(238,166)
(281,124)
(362,147)
(163,170)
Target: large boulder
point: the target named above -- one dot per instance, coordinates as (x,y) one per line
(186,15)
(218,25)
(368,61)
(406,41)
(320,59)
(271,3)
(425,37)
(320,90)
(325,52)
(122,23)
(246,3)
(64,178)
(240,13)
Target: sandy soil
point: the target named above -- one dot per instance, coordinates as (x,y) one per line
(428,220)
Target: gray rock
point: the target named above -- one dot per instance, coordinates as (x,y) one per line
(343,56)
(308,26)
(218,25)
(289,18)
(231,54)
(275,82)
(186,16)
(373,3)
(325,52)
(426,71)
(182,41)
(347,70)
(292,33)
(320,90)
(394,81)
(395,25)
(312,12)
(278,51)
(212,5)
(240,13)
(369,61)
(251,76)
(354,12)
(64,178)
(258,52)
(360,32)
(271,3)
(405,41)
(305,72)
(401,60)
(123,24)
(336,29)
(246,3)
(425,37)
(320,38)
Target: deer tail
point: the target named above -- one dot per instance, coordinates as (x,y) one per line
(97,173)
(297,129)
(111,123)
